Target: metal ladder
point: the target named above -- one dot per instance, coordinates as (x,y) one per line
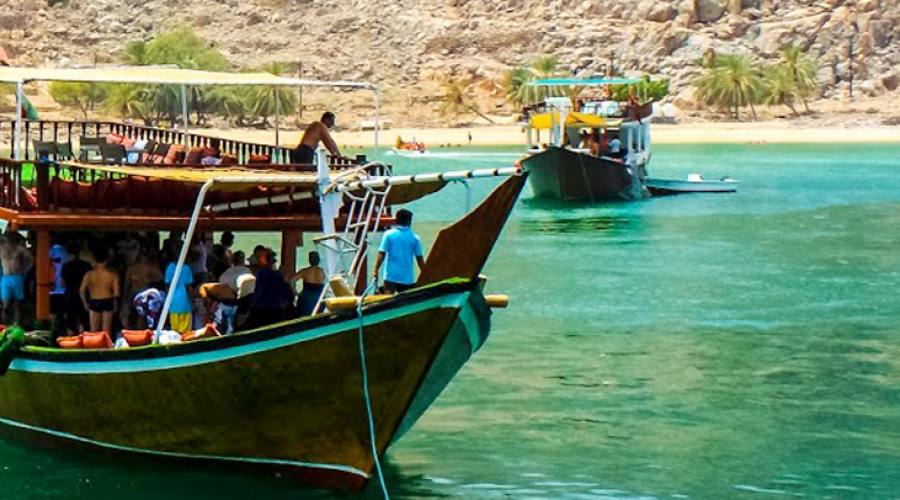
(349,249)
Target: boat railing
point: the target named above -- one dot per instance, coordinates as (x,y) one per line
(32,186)
(608,109)
(71,131)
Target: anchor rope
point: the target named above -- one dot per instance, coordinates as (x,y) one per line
(365,384)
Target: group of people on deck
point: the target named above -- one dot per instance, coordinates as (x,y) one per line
(119,280)
(600,144)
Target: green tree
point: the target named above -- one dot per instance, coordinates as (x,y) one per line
(542,68)
(82,96)
(778,89)
(135,54)
(645,89)
(798,70)
(181,47)
(456,101)
(731,82)
(264,100)
(186,49)
(515,85)
(231,102)
(127,100)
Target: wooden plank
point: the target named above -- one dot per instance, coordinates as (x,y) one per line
(462,249)
(42,268)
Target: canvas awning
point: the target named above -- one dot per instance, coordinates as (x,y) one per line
(545,121)
(237,178)
(164,75)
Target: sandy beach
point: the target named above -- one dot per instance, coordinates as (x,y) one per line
(760,132)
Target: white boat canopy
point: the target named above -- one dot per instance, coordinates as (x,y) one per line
(170,75)
(164,75)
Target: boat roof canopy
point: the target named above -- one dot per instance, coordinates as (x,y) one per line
(224,176)
(588,82)
(164,75)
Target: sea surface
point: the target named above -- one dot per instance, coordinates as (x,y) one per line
(702,346)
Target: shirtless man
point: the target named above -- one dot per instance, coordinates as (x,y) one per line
(16,261)
(101,284)
(315,133)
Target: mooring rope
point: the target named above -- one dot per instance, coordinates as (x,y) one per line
(365,383)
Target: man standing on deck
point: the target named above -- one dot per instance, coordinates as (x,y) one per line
(401,246)
(16,261)
(316,132)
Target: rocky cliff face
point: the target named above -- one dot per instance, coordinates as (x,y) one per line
(409,46)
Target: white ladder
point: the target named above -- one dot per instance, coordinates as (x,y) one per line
(349,249)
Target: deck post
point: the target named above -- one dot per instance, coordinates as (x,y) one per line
(329,204)
(276,156)
(290,240)
(17,136)
(182,256)
(184,115)
(42,269)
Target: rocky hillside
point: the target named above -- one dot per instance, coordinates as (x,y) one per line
(409,47)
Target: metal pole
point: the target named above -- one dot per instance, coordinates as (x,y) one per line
(17,137)
(377,116)
(276,156)
(192,226)
(184,115)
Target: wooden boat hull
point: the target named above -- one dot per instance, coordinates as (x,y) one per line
(287,397)
(573,176)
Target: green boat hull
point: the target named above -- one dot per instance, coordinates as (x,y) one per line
(287,397)
(563,174)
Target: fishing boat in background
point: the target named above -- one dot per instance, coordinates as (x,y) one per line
(320,397)
(563,167)
(597,149)
(410,148)
(695,183)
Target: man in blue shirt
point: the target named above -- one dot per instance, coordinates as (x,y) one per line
(401,246)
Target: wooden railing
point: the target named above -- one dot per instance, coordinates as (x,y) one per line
(28,186)
(70,132)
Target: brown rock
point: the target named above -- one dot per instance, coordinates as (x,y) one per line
(661,13)
(708,10)
(881,33)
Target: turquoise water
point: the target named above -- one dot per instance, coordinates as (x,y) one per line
(702,346)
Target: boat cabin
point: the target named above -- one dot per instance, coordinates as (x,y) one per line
(574,124)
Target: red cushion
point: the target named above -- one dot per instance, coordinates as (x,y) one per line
(114,139)
(128,142)
(96,340)
(194,156)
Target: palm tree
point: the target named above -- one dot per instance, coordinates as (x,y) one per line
(542,68)
(732,83)
(135,54)
(232,102)
(128,100)
(515,85)
(265,101)
(800,69)
(456,100)
(779,89)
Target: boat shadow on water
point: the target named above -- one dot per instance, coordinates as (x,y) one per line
(98,474)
